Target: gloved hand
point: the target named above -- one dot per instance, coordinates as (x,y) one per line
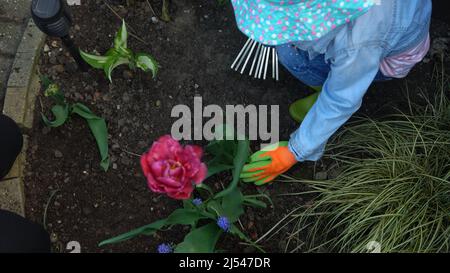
(267,164)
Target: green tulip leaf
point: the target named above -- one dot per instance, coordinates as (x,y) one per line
(215,207)
(241,155)
(200,240)
(61,114)
(177,217)
(255,203)
(99,131)
(232,205)
(147,230)
(217,168)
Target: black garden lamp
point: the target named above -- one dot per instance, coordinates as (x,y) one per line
(52,17)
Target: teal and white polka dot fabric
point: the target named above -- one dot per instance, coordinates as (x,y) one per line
(276,22)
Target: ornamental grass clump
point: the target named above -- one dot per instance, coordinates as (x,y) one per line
(393,190)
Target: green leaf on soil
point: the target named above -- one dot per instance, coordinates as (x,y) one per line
(112,63)
(61,114)
(232,205)
(200,240)
(99,131)
(95,61)
(178,217)
(121,37)
(147,63)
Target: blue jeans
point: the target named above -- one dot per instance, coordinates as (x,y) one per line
(311,72)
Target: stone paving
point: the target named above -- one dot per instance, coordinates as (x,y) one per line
(20,41)
(14,17)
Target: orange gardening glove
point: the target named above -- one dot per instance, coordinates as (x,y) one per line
(267,164)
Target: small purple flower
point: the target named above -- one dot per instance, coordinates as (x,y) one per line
(223,223)
(164,248)
(197,201)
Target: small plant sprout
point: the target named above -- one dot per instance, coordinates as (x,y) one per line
(120,54)
(62,111)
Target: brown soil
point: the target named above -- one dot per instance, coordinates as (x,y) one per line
(195,51)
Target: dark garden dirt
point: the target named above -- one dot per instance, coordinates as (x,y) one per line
(195,51)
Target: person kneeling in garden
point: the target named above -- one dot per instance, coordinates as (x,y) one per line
(17,234)
(338,48)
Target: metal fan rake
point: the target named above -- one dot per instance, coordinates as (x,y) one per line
(261,55)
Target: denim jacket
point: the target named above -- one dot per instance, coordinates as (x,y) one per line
(354,53)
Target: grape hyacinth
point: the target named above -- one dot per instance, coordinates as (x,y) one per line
(223,223)
(197,201)
(164,248)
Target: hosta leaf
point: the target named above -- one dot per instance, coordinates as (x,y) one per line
(146,63)
(98,129)
(95,61)
(112,63)
(124,52)
(121,37)
(200,240)
(61,113)
(111,52)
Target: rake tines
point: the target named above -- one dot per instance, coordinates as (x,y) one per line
(261,58)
